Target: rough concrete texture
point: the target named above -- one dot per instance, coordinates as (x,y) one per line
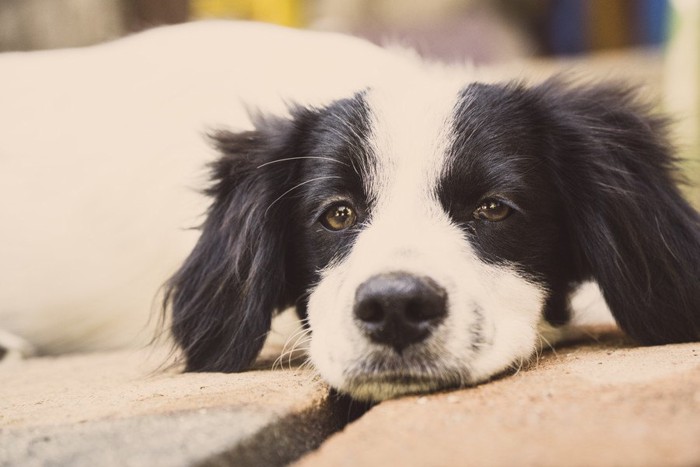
(119,408)
(600,404)
(596,403)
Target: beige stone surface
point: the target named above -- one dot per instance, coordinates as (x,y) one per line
(124,408)
(605,403)
(112,385)
(598,402)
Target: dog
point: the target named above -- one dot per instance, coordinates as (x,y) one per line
(431,229)
(429,224)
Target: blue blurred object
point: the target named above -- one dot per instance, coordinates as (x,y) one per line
(653,18)
(571,31)
(567,27)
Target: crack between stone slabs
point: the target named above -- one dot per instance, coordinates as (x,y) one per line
(292,436)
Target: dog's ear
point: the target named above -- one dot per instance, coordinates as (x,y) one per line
(224,295)
(630,227)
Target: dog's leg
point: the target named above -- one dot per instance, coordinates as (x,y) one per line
(588,311)
(13,347)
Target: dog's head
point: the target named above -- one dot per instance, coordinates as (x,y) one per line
(428,234)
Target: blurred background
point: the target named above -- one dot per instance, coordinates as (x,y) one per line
(485,30)
(654,40)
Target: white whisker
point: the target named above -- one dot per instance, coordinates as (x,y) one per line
(297,340)
(295,187)
(287,159)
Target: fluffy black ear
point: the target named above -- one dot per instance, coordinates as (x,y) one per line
(631,229)
(224,295)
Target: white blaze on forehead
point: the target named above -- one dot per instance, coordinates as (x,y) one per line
(411,131)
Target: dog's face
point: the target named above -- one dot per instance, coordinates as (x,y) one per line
(428,235)
(432,234)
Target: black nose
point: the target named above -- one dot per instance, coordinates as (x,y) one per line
(399,309)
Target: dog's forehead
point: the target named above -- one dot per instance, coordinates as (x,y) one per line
(411,122)
(411,138)
(410,131)
(420,128)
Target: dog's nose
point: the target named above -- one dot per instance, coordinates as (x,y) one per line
(399,309)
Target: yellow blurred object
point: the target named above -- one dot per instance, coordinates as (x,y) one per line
(220,8)
(283,12)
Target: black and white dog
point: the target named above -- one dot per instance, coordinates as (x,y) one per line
(431,229)
(428,224)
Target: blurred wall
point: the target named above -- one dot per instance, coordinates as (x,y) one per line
(50,24)
(42,24)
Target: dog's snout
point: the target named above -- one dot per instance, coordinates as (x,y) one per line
(399,309)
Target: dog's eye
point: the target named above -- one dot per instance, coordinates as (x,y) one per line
(492,210)
(339,217)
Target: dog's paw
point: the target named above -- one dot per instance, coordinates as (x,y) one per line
(13,347)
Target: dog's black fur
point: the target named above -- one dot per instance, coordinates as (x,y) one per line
(599,200)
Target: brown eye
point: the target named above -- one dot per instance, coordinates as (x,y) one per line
(492,210)
(339,217)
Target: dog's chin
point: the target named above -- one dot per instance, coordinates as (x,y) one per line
(382,378)
(379,387)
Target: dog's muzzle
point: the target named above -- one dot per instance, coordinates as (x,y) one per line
(399,309)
